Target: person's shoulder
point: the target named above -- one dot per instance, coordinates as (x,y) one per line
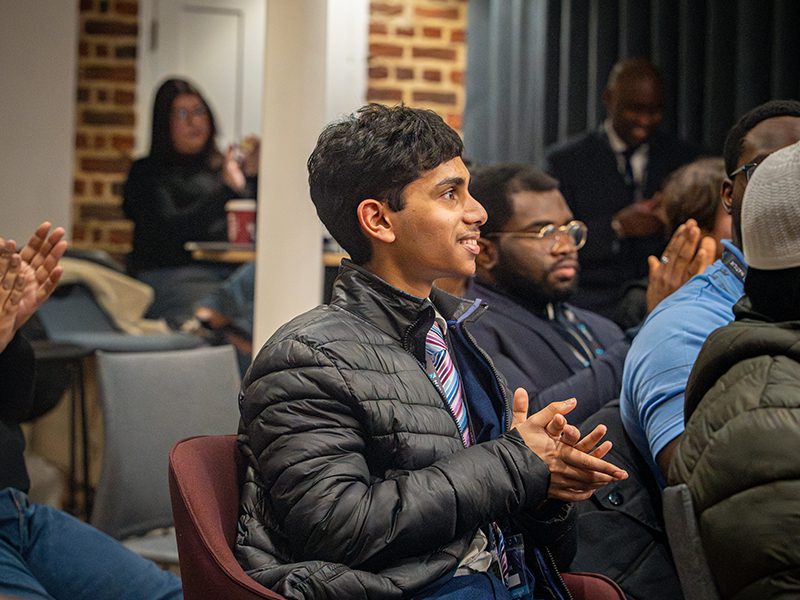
(143,162)
(142,167)
(682,150)
(502,310)
(683,320)
(319,325)
(574,146)
(298,342)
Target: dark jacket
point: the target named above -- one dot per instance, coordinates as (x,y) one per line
(17,404)
(531,354)
(586,168)
(174,204)
(621,528)
(359,485)
(739,455)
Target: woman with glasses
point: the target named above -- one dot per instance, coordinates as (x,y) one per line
(177,193)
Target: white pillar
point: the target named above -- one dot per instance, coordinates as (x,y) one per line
(39,63)
(314,70)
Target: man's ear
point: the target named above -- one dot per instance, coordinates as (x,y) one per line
(487,259)
(726,195)
(608,99)
(375,220)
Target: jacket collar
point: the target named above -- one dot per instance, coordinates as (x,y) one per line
(750,335)
(402,316)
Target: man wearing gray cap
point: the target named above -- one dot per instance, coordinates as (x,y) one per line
(739,451)
(662,353)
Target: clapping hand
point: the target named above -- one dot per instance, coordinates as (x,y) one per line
(40,269)
(231,171)
(250,149)
(688,253)
(12,286)
(575,463)
(241,162)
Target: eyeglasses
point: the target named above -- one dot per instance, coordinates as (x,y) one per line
(576,231)
(182,114)
(747,168)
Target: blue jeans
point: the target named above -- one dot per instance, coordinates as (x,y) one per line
(178,289)
(479,586)
(46,553)
(234,297)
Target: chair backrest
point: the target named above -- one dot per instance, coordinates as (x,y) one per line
(72,315)
(592,586)
(205,476)
(151,400)
(73,308)
(697,581)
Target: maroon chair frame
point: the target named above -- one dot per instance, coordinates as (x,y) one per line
(204,482)
(205,475)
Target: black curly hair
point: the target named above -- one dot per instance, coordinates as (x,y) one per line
(374,153)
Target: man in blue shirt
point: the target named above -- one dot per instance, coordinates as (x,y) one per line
(663,352)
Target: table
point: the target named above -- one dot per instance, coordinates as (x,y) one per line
(225,252)
(72,357)
(221,252)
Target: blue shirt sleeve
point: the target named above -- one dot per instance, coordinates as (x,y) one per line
(661,358)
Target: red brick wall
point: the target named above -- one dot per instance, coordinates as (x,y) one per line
(418,53)
(105,121)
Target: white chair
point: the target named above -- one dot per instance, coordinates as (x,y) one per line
(150,401)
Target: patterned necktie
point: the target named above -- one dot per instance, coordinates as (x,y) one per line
(449,381)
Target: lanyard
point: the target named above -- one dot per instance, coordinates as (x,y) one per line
(580,340)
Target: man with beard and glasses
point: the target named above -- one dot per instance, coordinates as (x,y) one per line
(527,269)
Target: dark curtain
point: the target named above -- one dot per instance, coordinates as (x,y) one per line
(537,68)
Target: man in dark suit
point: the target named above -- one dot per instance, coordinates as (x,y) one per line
(526,270)
(609,177)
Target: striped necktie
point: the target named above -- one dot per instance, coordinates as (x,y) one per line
(449,381)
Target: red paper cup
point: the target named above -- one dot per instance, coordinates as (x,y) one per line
(241,221)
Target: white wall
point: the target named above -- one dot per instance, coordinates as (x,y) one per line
(315,70)
(38,60)
(216,44)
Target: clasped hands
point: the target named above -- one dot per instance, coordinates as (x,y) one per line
(28,277)
(575,463)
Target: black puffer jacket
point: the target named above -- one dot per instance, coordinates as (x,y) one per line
(739,455)
(359,485)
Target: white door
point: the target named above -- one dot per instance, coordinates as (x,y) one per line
(218,45)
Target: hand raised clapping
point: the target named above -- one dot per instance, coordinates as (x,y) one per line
(12,286)
(28,277)
(575,463)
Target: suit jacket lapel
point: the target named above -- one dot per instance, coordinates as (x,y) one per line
(530,323)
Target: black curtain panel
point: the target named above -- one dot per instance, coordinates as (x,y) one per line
(537,68)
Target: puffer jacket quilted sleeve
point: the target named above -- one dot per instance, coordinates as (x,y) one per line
(370,490)
(739,456)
